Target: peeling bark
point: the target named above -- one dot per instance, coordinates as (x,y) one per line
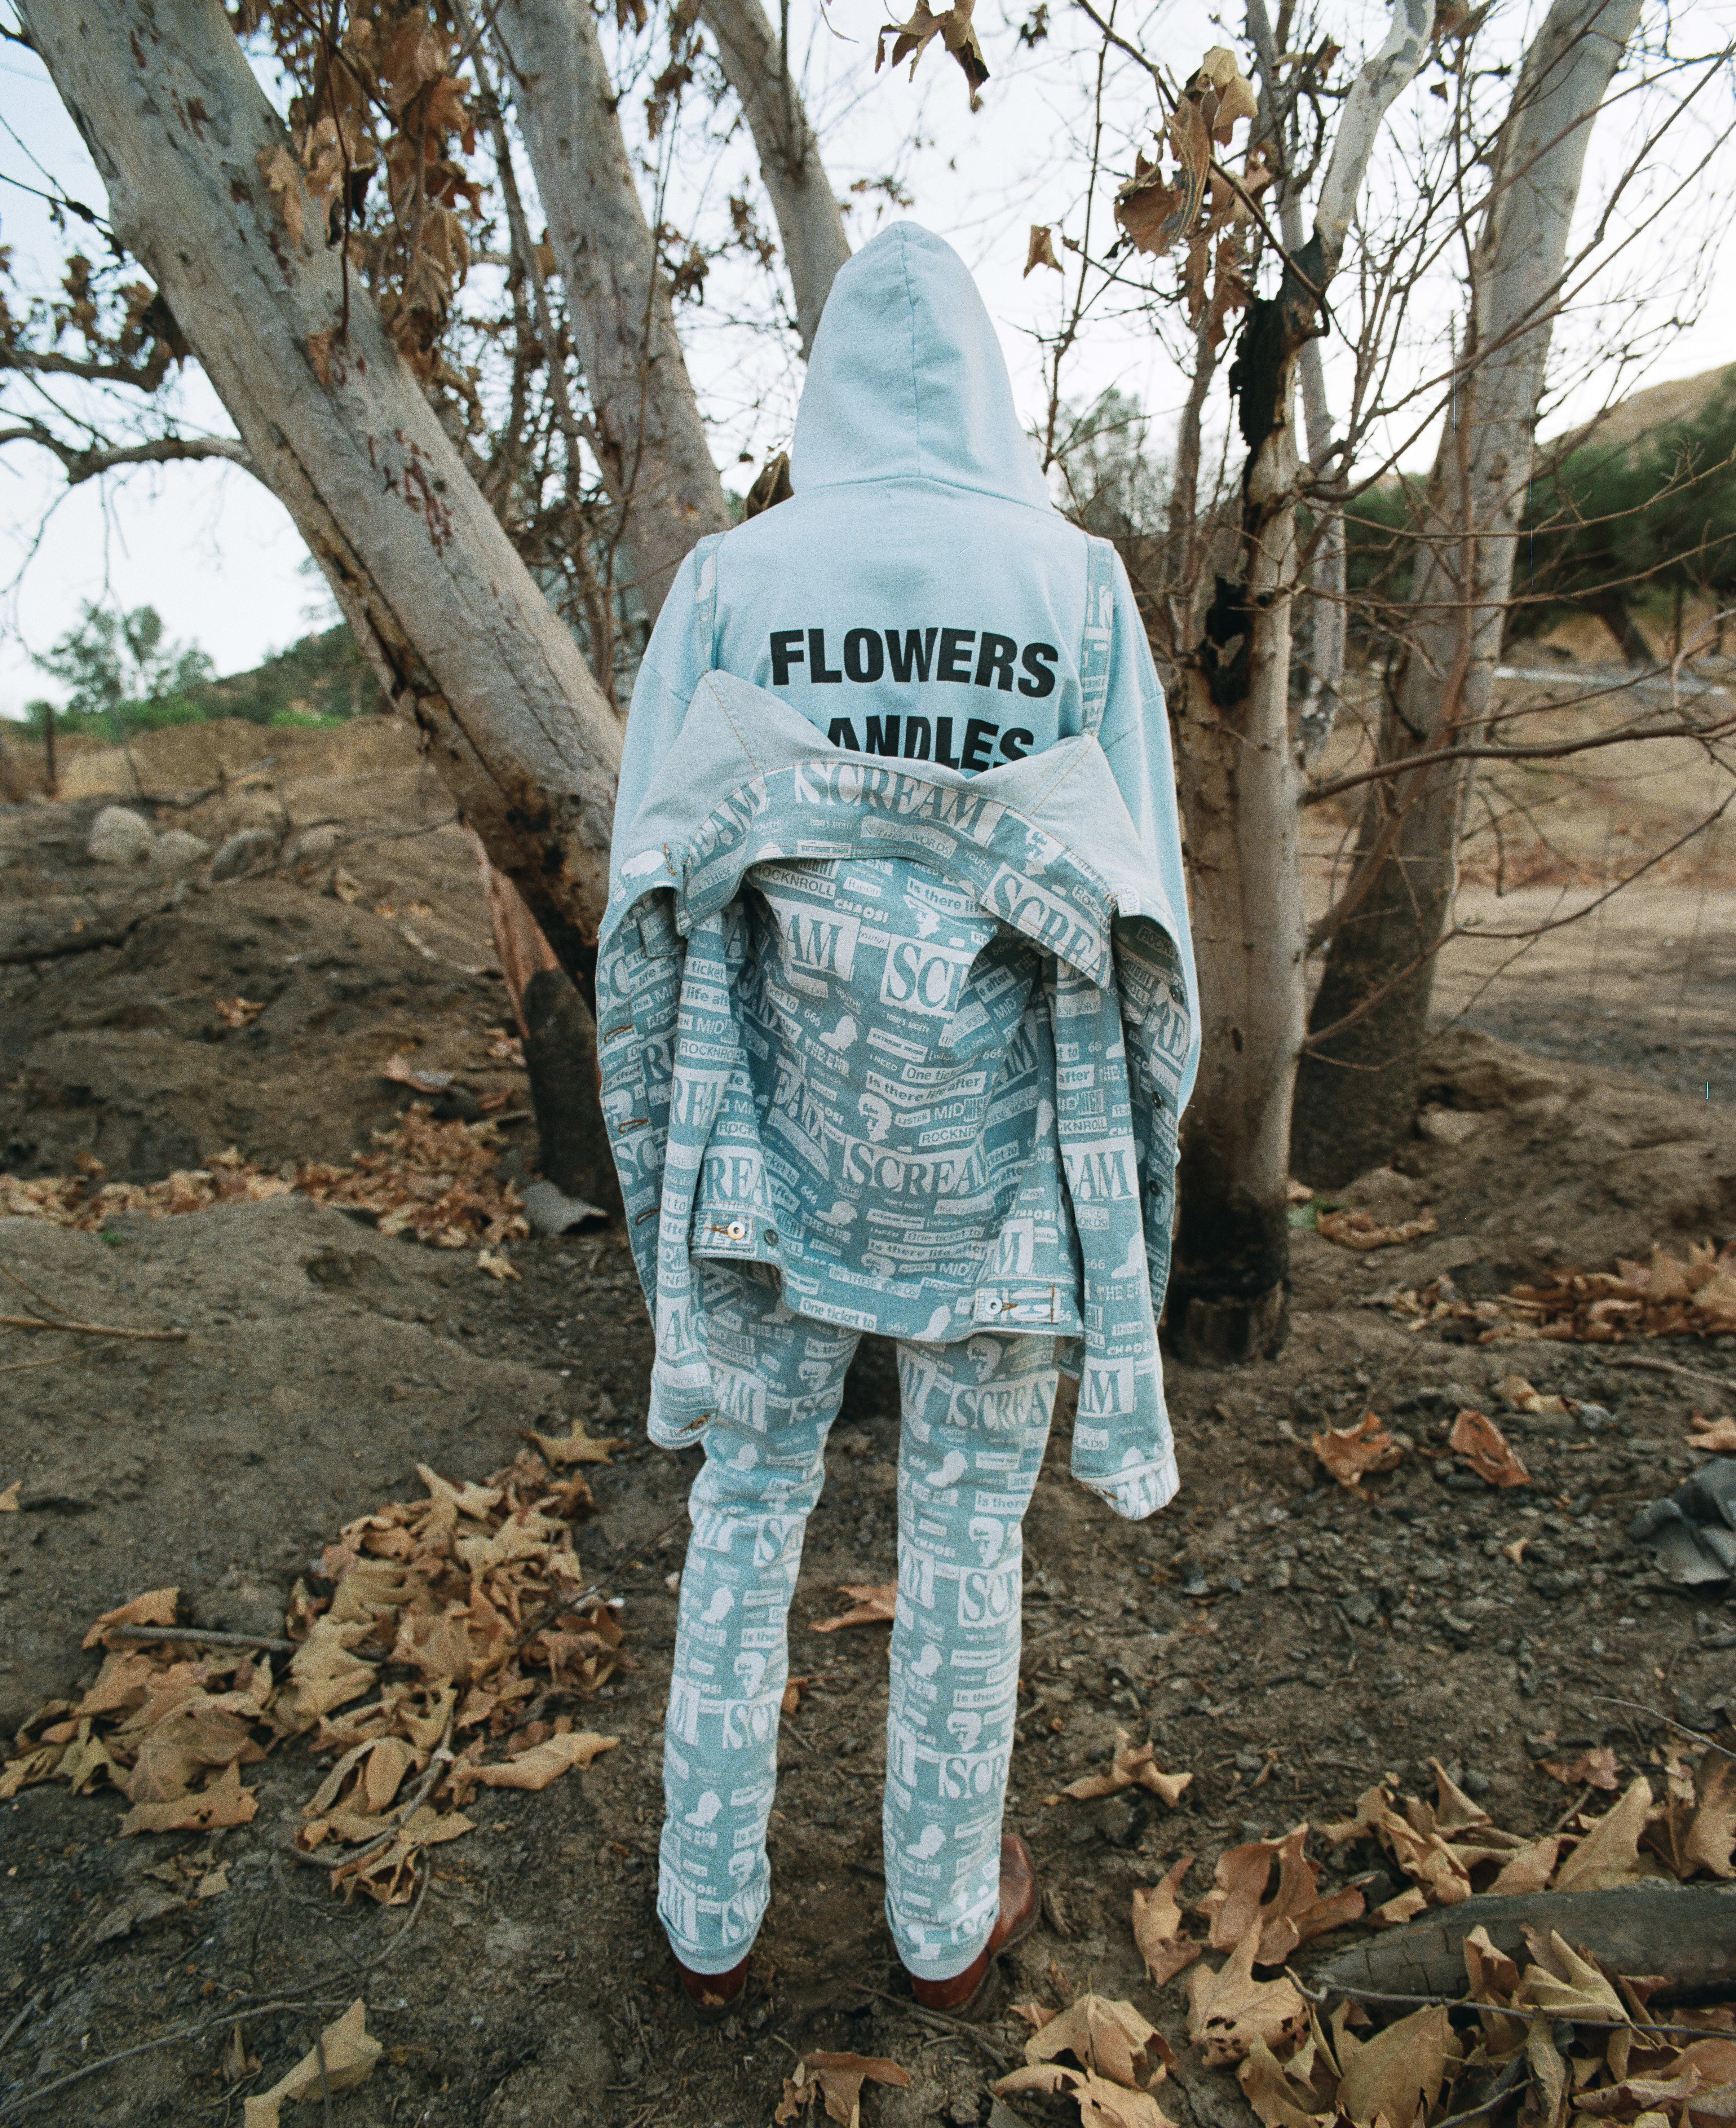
(1240,793)
(1393,912)
(813,229)
(340,431)
(650,440)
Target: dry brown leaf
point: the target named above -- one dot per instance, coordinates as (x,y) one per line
(498,1267)
(1282,2093)
(9,1498)
(1133,1765)
(875,1604)
(1695,1827)
(1237,1902)
(398,1066)
(1405,1907)
(1157,1926)
(1517,1395)
(577,1446)
(952,26)
(838,2080)
(1484,1446)
(350,2052)
(1564,1984)
(1111,2039)
(1400,2070)
(1530,1869)
(1717,1437)
(1101,2104)
(1229,2009)
(155,1607)
(1594,1769)
(1363,1230)
(1494,1977)
(225,1802)
(1608,1855)
(1040,251)
(1350,1453)
(283,177)
(543,1763)
(214,1883)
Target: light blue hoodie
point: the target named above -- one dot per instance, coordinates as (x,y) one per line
(920,540)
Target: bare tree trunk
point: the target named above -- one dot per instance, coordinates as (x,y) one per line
(649,437)
(756,65)
(1240,791)
(1316,679)
(340,431)
(1372,1011)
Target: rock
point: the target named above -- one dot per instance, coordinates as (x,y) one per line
(314,844)
(1360,1609)
(1450,1125)
(120,836)
(245,852)
(1476,1784)
(179,851)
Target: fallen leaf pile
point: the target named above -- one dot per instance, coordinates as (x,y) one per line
(837,2079)
(1553,2022)
(428,1654)
(432,1180)
(1663,1299)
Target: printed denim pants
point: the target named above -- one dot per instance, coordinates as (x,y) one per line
(975,1422)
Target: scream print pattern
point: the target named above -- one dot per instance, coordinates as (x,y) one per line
(976,1420)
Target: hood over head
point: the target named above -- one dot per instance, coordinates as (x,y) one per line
(907,379)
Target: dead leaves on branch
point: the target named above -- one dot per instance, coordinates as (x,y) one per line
(1197,204)
(434,1181)
(954,28)
(431,1651)
(376,160)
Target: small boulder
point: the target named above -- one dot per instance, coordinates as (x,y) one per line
(120,836)
(244,852)
(177,850)
(314,844)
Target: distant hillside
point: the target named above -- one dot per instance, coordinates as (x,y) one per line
(322,675)
(1645,414)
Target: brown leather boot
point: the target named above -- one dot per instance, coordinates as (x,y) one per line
(1021,1902)
(714,1995)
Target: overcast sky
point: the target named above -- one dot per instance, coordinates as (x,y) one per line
(220,560)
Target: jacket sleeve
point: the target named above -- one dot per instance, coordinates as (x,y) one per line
(668,674)
(1135,739)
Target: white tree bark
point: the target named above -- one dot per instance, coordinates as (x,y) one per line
(1394,909)
(1316,696)
(813,229)
(650,440)
(1240,791)
(339,431)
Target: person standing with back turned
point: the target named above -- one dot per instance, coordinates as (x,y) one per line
(895,1007)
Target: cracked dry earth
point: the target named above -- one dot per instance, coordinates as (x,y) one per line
(1287,1641)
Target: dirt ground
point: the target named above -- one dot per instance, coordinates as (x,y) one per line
(1285,1641)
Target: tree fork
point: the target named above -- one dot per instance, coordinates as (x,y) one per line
(341,432)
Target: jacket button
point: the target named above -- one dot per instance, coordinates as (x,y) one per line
(737,1230)
(991,1307)
(770,1237)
